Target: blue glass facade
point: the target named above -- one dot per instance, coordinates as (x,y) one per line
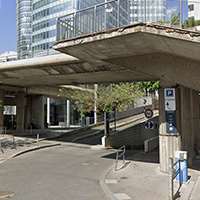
(44,16)
(24,30)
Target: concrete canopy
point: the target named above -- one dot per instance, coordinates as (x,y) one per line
(142,52)
(136,52)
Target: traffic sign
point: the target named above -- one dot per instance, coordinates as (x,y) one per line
(148,113)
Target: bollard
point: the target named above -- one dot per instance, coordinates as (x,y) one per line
(38,137)
(14,143)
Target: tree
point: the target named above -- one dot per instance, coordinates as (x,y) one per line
(83,100)
(119,96)
(191,22)
(175,19)
(149,86)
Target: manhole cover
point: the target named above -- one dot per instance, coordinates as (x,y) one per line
(124,177)
(4,195)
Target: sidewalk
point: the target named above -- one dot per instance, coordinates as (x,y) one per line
(12,146)
(142,180)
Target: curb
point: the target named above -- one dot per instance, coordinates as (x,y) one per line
(34,149)
(108,193)
(30,150)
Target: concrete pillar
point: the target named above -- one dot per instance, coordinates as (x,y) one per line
(28,110)
(21,111)
(168,143)
(188,124)
(1,108)
(38,111)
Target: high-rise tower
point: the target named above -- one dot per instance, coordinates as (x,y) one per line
(24,30)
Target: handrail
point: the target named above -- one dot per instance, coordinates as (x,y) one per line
(120,154)
(173,173)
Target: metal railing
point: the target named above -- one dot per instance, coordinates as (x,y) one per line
(174,171)
(118,13)
(3,130)
(120,154)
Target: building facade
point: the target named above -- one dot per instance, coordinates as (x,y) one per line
(36,25)
(194,9)
(133,11)
(44,19)
(8,56)
(24,30)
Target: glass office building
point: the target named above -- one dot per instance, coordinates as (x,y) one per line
(147,10)
(134,10)
(44,16)
(24,30)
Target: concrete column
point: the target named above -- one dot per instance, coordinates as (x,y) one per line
(21,110)
(189,120)
(188,124)
(38,113)
(1,108)
(168,144)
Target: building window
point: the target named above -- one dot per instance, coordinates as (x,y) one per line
(191,7)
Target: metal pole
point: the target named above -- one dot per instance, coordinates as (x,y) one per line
(180,20)
(115,116)
(171,183)
(118,13)
(116,162)
(94,18)
(179,166)
(68,113)
(145,11)
(48,111)
(95,103)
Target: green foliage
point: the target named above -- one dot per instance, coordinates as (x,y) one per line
(191,22)
(175,19)
(82,100)
(149,86)
(119,96)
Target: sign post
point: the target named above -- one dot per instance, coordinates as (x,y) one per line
(170,110)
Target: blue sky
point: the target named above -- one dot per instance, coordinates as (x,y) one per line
(7,25)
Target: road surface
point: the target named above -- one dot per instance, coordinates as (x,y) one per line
(59,173)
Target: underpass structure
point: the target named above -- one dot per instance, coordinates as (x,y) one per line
(132,53)
(152,52)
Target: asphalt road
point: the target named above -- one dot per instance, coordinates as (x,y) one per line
(59,173)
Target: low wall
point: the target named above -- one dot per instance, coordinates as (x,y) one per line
(151,144)
(134,136)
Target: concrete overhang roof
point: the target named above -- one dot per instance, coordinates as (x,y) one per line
(146,51)
(137,52)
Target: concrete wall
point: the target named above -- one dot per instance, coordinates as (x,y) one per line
(134,136)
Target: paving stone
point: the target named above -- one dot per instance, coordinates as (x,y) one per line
(121,196)
(111,181)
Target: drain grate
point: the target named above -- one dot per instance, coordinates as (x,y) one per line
(4,195)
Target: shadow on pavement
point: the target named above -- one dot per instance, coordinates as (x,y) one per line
(138,155)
